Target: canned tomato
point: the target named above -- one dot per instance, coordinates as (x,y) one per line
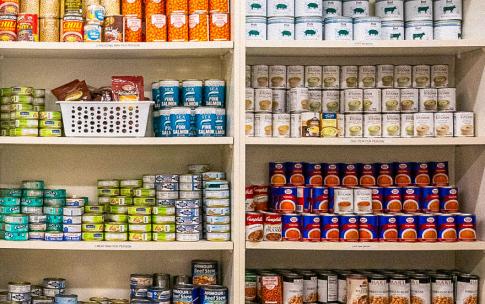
(448,196)
(254,226)
(392,199)
(329,224)
(349,228)
(426,224)
(384,175)
(319,199)
(291,227)
(388,228)
(8,25)
(304,199)
(343,200)
(368,225)
(407,231)
(411,197)
(430,199)
(421,174)
(367,174)
(286,199)
(272,226)
(446,227)
(465,227)
(439,173)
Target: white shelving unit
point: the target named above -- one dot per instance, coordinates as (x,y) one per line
(93,268)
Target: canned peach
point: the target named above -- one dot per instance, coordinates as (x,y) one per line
(177,6)
(199,27)
(8,24)
(198,6)
(219,27)
(131,8)
(219,6)
(133,30)
(178,29)
(156,28)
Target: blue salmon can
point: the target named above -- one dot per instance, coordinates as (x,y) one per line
(192,93)
(220,122)
(214,294)
(205,121)
(319,199)
(156,123)
(193,125)
(311,227)
(155,93)
(430,199)
(186,293)
(304,199)
(164,125)
(368,225)
(180,121)
(214,93)
(168,94)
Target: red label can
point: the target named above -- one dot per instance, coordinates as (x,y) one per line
(349,175)
(465,226)
(313,174)
(304,199)
(249,198)
(286,199)
(319,199)
(421,174)
(329,227)
(446,227)
(277,174)
(407,228)
(402,174)
(260,197)
(410,199)
(272,226)
(392,199)
(27,27)
(331,175)
(291,227)
(254,226)
(368,228)
(9,7)
(367,175)
(8,28)
(448,199)
(349,228)
(311,227)
(377,199)
(439,173)
(384,175)
(427,228)
(430,199)
(387,228)
(294,173)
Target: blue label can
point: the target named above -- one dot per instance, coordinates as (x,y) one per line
(192,93)
(220,122)
(214,93)
(168,94)
(215,294)
(186,294)
(205,121)
(156,94)
(180,121)
(193,124)
(164,125)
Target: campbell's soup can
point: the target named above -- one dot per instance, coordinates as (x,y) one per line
(465,227)
(272,226)
(392,199)
(304,199)
(249,198)
(446,227)
(349,228)
(448,199)
(407,228)
(254,226)
(426,224)
(319,199)
(439,173)
(411,196)
(384,175)
(294,173)
(331,176)
(343,200)
(430,199)
(377,199)
(421,174)
(261,197)
(311,227)
(362,200)
(287,199)
(402,174)
(329,224)
(313,174)
(367,174)
(277,174)
(368,225)
(349,175)
(387,228)
(291,227)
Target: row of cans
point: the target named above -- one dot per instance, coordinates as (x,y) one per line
(334,77)
(267,226)
(50,291)
(189,93)
(187,122)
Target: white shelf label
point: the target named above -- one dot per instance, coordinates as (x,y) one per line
(113,246)
(367,141)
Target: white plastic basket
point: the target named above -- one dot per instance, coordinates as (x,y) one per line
(105,119)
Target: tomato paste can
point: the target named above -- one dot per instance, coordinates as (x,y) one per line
(392,199)
(277,173)
(286,199)
(304,199)
(367,173)
(426,224)
(294,173)
(388,229)
(319,199)
(448,199)
(8,28)
(421,174)
(349,228)
(272,226)
(407,230)
(465,227)
(254,226)
(384,175)
(411,196)
(446,227)
(402,174)
(329,224)
(313,174)
(349,175)
(439,173)
(331,176)
(377,199)
(430,199)
(368,225)
(311,227)
(27,27)
(291,227)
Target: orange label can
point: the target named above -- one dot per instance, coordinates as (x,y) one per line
(219,6)
(178,29)
(219,27)
(133,29)
(72,28)
(177,7)
(153,7)
(199,27)
(9,7)
(156,28)
(198,6)
(8,27)
(27,27)
(131,8)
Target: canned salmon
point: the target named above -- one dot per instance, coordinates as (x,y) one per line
(311,227)
(343,199)
(304,199)
(439,173)
(349,227)
(388,228)
(392,199)
(407,231)
(465,227)
(426,225)
(411,197)
(368,225)
(319,199)
(291,224)
(384,175)
(446,227)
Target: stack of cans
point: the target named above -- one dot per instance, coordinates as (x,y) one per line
(65,299)
(50,124)
(19,292)
(54,202)
(188,220)
(139,284)
(16,227)
(9,205)
(140,222)
(72,218)
(110,200)
(52,287)
(93,219)
(22,119)
(217,211)
(33,207)
(167,193)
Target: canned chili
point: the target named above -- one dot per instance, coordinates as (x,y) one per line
(72,28)
(8,25)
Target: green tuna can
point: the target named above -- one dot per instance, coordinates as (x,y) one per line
(9,201)
(140,236)
(92,236)
(32,201)
(24,123)
(121,200)
(118,209)
(116,236)
(6,92)
(20,219)
(139,219)
(142,192)
(24,115)
(115,227)
(54,219)
(163,219)
(52,210)
(131,183)
(38,108)
(55,193)
(126,191)
(144,201)
(32,132)
(16,228)
(108,183)
(21,107)
(22,90)
(16,236)
(92,227)
(139,210)
(50,124)
(22,99)
(140,227)
(163,228)
(163,237)
(33,184)
(108,191)
(98,209)
(92,218)
(54,115)
(158,210)
(33,192)
(120,218)
(50,132)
